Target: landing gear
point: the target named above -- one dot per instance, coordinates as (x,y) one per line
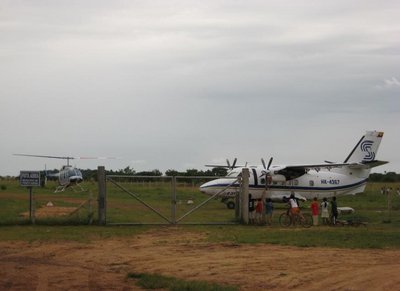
(229,204)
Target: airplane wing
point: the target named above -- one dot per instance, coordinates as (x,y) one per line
(317,167)
(307,167)
(328,166)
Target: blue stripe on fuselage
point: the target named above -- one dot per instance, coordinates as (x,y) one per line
(297,187)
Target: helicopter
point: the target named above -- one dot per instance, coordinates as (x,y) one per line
(68,176)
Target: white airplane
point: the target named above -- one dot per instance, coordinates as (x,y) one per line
(305,181)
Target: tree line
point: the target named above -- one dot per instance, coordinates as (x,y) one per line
(389,177)
(221,172)
(128,171)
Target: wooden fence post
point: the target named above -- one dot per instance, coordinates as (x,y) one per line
(101,178)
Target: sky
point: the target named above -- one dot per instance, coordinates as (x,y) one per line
(180,84)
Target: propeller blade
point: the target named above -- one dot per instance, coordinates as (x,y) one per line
(263,163)
(269,163)
(234,163)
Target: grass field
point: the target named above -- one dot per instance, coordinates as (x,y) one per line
(382,231)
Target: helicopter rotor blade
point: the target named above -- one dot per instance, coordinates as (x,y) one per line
(43,156)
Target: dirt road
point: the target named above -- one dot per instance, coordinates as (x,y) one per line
(103,265)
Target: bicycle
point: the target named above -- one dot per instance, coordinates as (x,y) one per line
(287,219)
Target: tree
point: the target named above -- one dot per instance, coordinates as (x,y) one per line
(172,173)
(129,171)
(219,171)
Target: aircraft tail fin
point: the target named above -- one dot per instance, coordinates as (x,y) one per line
(366,149)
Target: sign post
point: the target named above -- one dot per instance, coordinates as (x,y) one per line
(30,179)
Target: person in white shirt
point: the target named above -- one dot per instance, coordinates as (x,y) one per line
(325,211)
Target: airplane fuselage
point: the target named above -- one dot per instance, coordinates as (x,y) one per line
(313,183)
(306,181)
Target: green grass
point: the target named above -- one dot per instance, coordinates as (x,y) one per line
(324,236)
(383,230)
(156,281)
(78,233)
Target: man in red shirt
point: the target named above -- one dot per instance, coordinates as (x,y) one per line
(315,211)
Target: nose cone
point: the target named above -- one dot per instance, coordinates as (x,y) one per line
(203,187)
(209,188)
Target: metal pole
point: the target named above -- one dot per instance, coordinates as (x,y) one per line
(31,206)
(206,201)
(101,179)
(173,201)
(90,207)
(245,196)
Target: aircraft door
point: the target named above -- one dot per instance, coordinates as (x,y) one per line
(253,180)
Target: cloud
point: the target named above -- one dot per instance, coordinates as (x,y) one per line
(392,83)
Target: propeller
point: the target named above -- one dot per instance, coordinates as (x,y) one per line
(228,165)
(266,168)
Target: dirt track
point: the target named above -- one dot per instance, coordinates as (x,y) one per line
(104,265)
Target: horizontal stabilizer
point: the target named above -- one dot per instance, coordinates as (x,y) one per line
(367,165)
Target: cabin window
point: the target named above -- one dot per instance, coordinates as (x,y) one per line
(289,183)
(311,183)
(262,181)
(295,182)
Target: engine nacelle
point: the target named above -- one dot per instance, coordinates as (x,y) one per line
(278,178)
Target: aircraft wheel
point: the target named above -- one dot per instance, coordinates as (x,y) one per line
(230,205)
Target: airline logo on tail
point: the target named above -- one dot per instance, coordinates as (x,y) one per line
(366,147)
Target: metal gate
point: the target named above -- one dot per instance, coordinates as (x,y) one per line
(166,200)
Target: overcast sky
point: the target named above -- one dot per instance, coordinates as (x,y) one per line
(180,84)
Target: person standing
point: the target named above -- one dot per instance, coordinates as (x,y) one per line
(269,209)
(325,211)
(315,211)
(334,211)
(259,211)
(294,207)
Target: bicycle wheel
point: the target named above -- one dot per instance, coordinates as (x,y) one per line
(308,220)
(285,219)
